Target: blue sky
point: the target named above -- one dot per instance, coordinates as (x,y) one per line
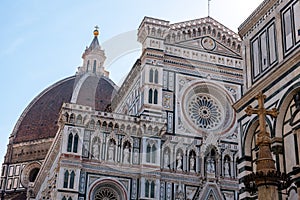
(42,42)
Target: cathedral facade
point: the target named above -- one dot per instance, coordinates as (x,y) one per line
(169,131)
(271,38)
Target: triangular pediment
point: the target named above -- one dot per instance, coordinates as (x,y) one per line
(205,34)
(208,44)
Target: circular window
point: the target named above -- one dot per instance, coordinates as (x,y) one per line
(108,190)
(106,194)
(207,107)
(205,111)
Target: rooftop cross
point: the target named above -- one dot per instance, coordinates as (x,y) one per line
(261,112)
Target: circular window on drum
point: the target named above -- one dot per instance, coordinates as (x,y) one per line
(205,111)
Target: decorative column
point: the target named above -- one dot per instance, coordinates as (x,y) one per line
(266,178)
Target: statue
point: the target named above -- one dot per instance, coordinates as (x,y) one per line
(179,161)
(136,157)
(126,155)
(111,152)
(210,166)
(226,168)
(166,160)
(192,163)
(96,151)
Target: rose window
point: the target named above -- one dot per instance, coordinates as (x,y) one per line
(106,194)
(205,111)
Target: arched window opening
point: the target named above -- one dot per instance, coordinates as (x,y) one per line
(150,96)
(148,153)
(72,118)
(151,76)
(64,198)
(66,179)
(156,76)
(33,174)
(70,140)
(147,188)
(88,65)
(155,96)
(72,178)
(75,146)
(70,198)
(94,66)
(152,189)
(153,154)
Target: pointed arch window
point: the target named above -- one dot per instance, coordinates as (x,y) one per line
(69,179)
(148,153)
(64,198)
(153,152)
(156,76)
(150,189)
(94,66)
(72,177)
(150,96)
(151,76)
(75,146)
(66,179)
(70,198)
(155,96)
(70,141)
(147,188)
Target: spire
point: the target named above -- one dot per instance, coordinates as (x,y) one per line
(93,58)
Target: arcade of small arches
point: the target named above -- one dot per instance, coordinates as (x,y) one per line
(193,30)
(107,125)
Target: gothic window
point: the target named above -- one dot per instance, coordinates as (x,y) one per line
(155,96)
(151,76)
(69,179)
(75,145)
(70,141)
(72,118)
(88,65)
(263,51)
(72,177)
(153,154)
(66,179)
(148,152)
(149,189)
(70,198)
(156,76)
(64,198)
(150,95)
(152,189)
(94,66)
